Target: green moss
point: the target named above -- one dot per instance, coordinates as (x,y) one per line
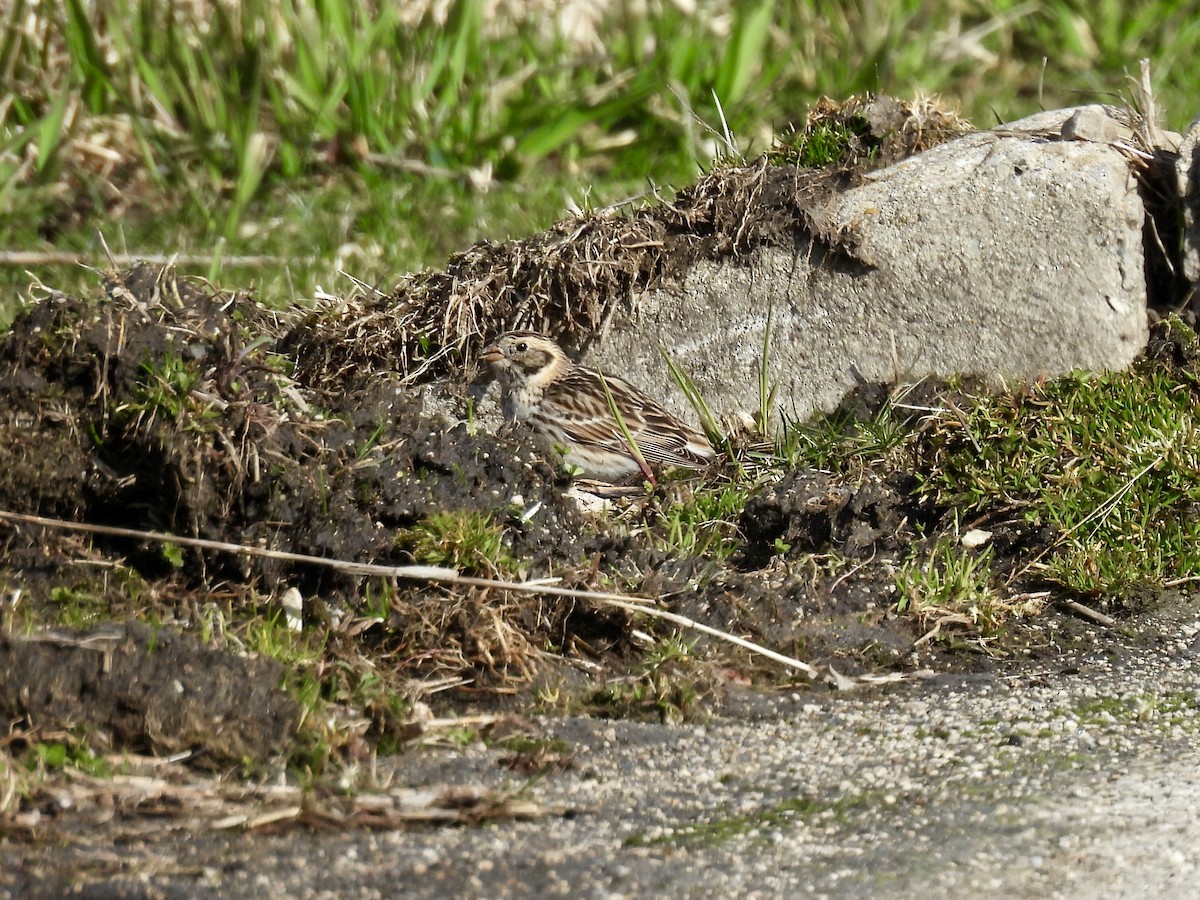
(1175,709)
(1109,463)
(821,144)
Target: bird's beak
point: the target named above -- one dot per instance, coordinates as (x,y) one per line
(491,354)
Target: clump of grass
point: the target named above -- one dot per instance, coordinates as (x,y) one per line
(819,145)
(343,694)
(703,522)
(847,440)
(667,689)
(78,605)
(165,391)
(270,634)
(466,540)
(956,589)
(65,752)
(224,95)
(846,134)
(1110,463)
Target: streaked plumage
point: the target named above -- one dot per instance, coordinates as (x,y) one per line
(565,403)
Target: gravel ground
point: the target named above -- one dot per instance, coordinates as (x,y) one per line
(1081,779)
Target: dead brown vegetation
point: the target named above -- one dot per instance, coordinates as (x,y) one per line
(569,281)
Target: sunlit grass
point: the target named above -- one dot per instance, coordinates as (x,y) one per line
(220,128)
(305,235)
(704,523)
(1110,463)
(1107,466)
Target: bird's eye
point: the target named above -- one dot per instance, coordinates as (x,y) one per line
(522,347)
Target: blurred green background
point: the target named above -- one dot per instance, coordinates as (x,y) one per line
(273,144)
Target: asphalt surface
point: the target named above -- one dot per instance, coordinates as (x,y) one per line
(1076,779)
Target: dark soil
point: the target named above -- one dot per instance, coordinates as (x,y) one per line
(162,407)
(150,691)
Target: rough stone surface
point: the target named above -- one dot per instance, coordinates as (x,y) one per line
(1188,178)
(1008,255)
(1093,123)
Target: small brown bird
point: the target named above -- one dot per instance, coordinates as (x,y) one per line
(566,404)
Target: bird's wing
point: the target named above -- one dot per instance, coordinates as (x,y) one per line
(577,404)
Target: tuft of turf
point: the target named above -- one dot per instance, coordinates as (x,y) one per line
(1110,463)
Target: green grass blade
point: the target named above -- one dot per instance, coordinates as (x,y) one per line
(744,53)
(50,131)
(626,435)
(12,42)
(708,422)
(86,55)
(766,390)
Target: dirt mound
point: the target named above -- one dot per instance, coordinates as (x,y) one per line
(167,406)
(150,690)
(163,407)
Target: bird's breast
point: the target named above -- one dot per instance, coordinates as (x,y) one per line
(523,401)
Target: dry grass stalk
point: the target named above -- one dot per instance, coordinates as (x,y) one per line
(435,574)
(67,258)
(156,791)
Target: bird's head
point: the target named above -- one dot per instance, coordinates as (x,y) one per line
(525,355)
